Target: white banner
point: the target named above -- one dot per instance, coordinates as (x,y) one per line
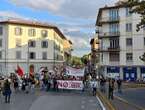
(72,85)
(74,71)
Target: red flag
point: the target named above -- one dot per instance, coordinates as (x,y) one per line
(20,71)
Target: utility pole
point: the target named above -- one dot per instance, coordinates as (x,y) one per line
(54,52)
(28,57)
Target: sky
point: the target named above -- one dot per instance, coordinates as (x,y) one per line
(75,18)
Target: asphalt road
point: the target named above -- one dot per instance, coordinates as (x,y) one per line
(51,101)
(134,96)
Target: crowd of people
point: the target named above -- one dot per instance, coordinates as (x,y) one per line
(112,84)
(27,83)
(48,81)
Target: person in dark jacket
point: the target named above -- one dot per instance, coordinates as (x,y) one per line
(119,85)
(7,91)
(16,85)
(111,88)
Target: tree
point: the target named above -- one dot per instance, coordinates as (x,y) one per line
(142,57)
(138,6)
(85,59)
(75,61)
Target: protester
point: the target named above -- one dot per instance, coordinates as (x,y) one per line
(16,85)
(111,88)
(0,88)
(48,84)
(54,84)
(94,87)
(103,84)
(23,84)
(119,85)
(7,91)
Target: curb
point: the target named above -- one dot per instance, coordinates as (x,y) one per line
(125,101)
(103,107)
(105,101)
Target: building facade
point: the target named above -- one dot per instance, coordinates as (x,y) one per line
(67,51)
(120,44)
(94,55)
(26,43)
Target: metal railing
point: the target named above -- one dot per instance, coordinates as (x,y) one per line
(109,34)
(110,19)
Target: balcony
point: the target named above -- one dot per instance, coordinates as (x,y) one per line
(109,20)
(109,34)
(114,49)
(110,49)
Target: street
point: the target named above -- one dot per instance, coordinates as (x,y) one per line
(51,101)
(134,96)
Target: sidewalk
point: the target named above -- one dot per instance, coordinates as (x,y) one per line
(121,105)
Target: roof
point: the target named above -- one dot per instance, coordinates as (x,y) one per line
(107,8)
(35,24)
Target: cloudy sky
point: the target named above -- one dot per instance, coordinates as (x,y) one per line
(75,18)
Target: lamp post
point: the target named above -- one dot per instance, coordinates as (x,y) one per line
(54,52)
(28,57)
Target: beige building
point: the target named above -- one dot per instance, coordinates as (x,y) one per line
(67,50)
(94,55)
(120,44)
(26,43)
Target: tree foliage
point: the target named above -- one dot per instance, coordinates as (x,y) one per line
(138,6)
(85,59)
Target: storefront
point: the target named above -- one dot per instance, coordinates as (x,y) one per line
(142,70)
(113,72)
(130,73)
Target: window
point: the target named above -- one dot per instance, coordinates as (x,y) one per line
(129,56)
(18,42)
(44,44)
(1,54)
(128,9)
(1,43)
(44,55)
(114,14)
(102,57)
(114,56)
(1,30)
(128,27)
(114,43)
(144,41)
(128,41)
(31,32)
(44,33)
(32,55)
(32,43)
(114,28)
(18,54)
(18,31)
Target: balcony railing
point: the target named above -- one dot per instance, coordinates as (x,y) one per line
(110,49)
(109,19)
(109,34)
(117,48)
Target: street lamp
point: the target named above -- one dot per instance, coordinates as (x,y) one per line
(28,56)
(54,52)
